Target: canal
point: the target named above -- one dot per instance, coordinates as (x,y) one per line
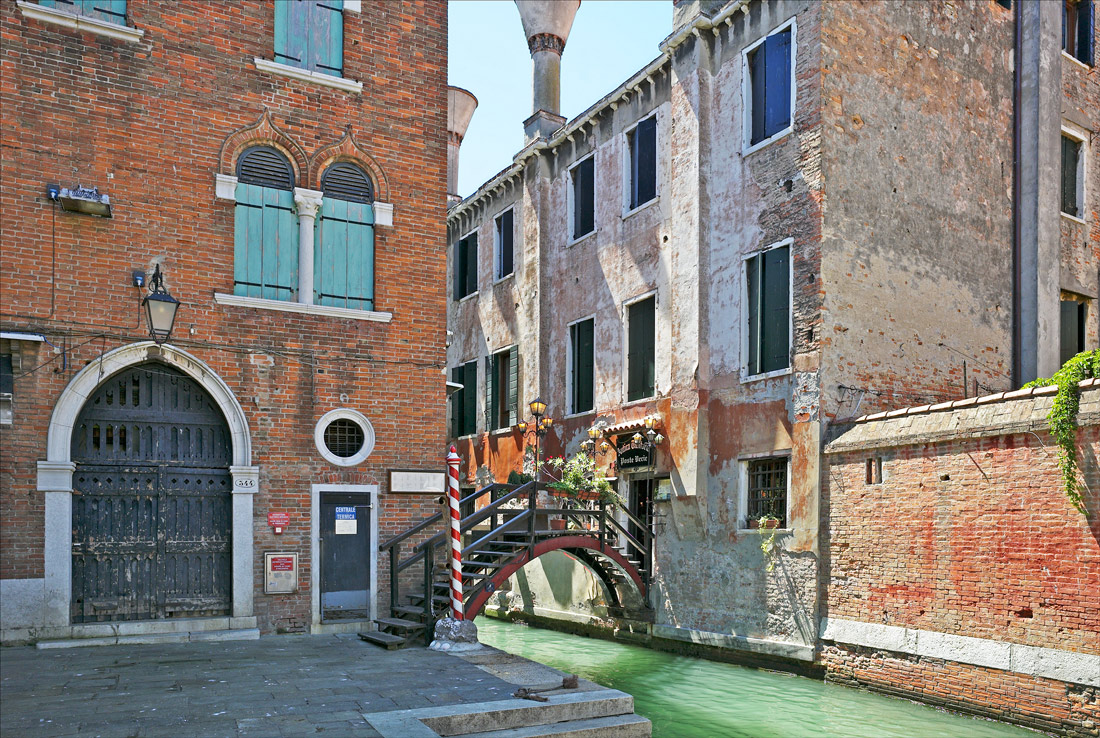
(695,698)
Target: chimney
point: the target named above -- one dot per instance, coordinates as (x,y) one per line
(546,23)
(460,108)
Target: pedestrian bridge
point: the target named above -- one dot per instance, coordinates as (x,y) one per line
(499,539)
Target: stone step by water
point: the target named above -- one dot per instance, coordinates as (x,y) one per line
(619,726)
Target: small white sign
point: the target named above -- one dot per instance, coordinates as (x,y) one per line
(345,521)
(424,482)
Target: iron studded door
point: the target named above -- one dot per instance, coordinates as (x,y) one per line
(345,556)
(152,501)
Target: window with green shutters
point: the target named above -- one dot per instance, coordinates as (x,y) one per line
(769,83)
(464,401)
(310,34)
(265,257)
(1071,165)
(112,11)
(641,144)
(465,266)
(502,389)
(581,366)
(343,262)
(640,352)
(768,288)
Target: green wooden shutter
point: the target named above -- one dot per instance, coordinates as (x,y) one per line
(513,386)
(326,37)
(457,375)
(112,11)
(775,344)
(292,20)
(640,351)
(469,398)
(1070,152)
(343,264)
(583,366)
(458,264)
(265,243)
(752,280)
(471,264)
(491,414)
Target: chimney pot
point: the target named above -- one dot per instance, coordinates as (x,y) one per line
(546,23)
(460,109)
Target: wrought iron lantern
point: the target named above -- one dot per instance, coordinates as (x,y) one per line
(160,308)
(539,427)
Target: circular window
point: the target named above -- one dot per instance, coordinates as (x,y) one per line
(344,437)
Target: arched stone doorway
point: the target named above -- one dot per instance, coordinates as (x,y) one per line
(152,502)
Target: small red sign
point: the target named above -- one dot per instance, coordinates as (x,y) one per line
(278,519)
(282,563)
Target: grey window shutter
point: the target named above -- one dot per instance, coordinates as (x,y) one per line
(471,264)
(469,398)
(646,135)
(513,386)
(456,402)
(640,351)
(1070,152)
(491,413)
(752,279)
(507,229)
(459,264)
(775,319)
(583,350)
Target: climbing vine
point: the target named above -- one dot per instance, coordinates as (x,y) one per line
(767,543)
(1063,416)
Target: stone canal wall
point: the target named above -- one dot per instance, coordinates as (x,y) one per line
(958,573)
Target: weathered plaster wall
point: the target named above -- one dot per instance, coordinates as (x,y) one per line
(917,241)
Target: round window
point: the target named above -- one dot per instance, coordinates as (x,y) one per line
(344,437)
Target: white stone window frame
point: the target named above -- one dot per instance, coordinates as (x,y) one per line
(744,361)
(625,382)
(79,22)
(572,412)
(354,416)
(571,197)
(627,169)
(488,401)
(747,147)
(743,462)
(326,80)
(1081,136)
(498,246)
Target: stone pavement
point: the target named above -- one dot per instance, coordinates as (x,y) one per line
(272,687)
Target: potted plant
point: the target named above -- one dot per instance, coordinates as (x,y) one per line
(578,480)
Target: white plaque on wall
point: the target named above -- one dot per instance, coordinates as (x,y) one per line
(280,573)
(412,481)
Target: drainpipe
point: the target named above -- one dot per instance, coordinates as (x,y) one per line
(1017,277)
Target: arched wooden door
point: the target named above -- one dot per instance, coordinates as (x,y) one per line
(152,510)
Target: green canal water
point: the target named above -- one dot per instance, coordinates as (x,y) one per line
(695,698)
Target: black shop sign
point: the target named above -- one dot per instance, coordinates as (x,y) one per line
(634,456)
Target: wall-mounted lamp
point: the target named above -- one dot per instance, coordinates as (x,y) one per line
(81,200)
(160,308)
(540,427)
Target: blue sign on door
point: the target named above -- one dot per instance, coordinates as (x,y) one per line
(345,513)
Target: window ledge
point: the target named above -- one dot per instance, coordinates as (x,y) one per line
(640,401)
(745,378)
(581,414)
(466,298)
(499,280)
(501,431)
(767,141)
(592,232)
(1074,218)
(326,311)
(1075,60)
(80,22)
(285,70)
(640,208)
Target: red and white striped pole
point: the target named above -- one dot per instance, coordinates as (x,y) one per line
(453,462)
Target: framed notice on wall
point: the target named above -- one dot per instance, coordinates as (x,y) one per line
(280,573)
(418,482)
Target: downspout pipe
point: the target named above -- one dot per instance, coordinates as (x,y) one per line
(1017,235)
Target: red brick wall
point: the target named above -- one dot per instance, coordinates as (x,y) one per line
(146,122)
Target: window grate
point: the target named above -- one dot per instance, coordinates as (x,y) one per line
(265,166)
(767,494)
(345,181)
(344,438)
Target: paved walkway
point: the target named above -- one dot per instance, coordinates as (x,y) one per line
(276,686)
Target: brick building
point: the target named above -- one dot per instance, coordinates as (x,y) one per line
(284,165)
(798,213)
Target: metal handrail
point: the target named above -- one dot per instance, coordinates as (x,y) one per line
(495,533)
(429,520)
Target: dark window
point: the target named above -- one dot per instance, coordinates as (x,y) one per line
(1072,329)
(768,291)
(7,375)
(584,197)
(770,86)
(465,266)
(310,34)
(505,233)
(642,142)
(112,11)
(641,344)
(1071,157)
(582,368)
(874,470)
(1005,3)
(346,181)
(1077,29)
(464,401)
(265,257)
(502,389)
(767,493)
(344,438)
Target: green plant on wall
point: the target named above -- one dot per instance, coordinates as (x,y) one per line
(1063,416)
(767,543)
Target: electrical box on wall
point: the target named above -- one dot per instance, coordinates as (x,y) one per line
(280,573)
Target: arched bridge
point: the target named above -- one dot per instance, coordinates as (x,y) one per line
(498,540)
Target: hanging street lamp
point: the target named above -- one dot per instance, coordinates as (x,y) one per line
(160,308)
(539,428)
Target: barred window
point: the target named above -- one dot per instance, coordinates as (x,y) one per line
(767,489)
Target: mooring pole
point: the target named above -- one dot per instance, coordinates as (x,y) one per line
(453,462)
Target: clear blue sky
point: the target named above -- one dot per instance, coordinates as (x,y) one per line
(610,40)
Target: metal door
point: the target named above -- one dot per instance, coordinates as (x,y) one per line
(345,556)
(152,512)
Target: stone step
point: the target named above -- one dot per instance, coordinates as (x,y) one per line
(500,718)
(243,634)
(388,641)
(617,726)
(399,624)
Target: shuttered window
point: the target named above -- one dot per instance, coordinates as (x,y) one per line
(310,34)
(343,261)
(584,197)
(464,401)
(1072,327)
(505,227)
(640,353)
(767,281)
(265,254)
(465,266)
(642,142)
(1078,19)
(769,79)
(1071,158)
(112,11)
(502,389)
(582,366)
